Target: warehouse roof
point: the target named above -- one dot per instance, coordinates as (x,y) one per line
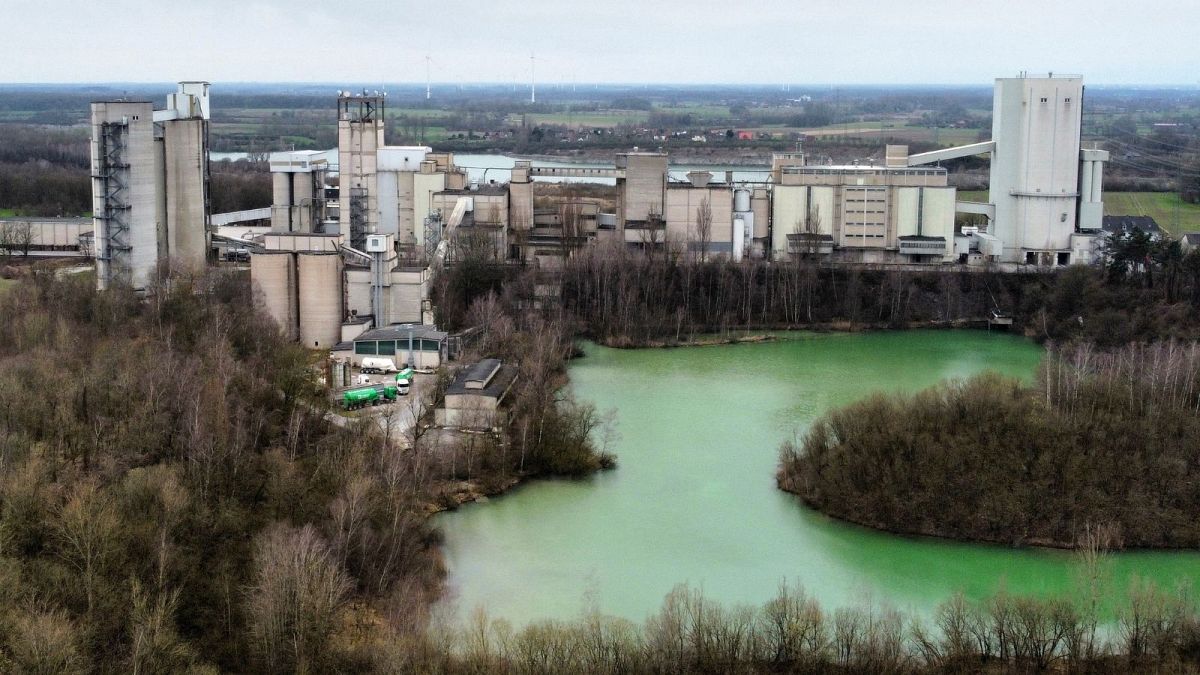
(401,332)
(499,380)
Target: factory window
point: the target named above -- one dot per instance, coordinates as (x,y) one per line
(387,347)
(364,348)
(1044,99)
(1067,99)
(430,345)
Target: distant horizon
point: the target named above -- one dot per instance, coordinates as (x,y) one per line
(558,85)
(851,42)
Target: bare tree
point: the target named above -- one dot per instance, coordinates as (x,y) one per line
(86,534)
(297,591)
(16,236)
(703,228)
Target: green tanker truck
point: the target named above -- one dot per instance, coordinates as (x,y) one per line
(357,398)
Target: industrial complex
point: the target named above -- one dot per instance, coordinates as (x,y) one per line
(356,233)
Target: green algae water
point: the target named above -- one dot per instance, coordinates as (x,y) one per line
(694,498)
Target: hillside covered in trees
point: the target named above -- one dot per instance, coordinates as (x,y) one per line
(174,499)
(1103,439)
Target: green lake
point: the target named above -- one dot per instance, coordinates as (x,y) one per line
(694,498)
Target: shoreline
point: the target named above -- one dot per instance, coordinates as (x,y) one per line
(1033,543)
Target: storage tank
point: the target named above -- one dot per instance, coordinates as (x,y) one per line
(273,279)
(739,238)
(320,299)
(741,200)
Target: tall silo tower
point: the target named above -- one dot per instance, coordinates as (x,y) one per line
(360,135)
(125,170)
(1035,166)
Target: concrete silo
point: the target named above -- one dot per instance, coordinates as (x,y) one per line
(125,189)
(273,277)
(320,289)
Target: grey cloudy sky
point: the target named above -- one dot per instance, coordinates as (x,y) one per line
(799,41)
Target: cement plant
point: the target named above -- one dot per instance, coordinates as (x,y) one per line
(536,375)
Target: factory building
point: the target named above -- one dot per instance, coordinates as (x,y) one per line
(150,185)
(298,182)
(403,210)
(889,213)
(1045,199)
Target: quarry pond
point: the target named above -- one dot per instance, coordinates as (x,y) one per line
(694,498)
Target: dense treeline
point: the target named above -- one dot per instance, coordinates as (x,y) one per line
(42,189)
(44,172)
(1154,631)
(626,297)
(1103,437)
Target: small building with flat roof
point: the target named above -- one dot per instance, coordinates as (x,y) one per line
(474,399)
(422,347)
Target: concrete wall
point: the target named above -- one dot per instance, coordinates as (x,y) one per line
(641,192)
(683,203)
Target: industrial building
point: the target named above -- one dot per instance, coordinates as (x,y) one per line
(474,399)
(150,185)
(356,233)
(872,214)
(1045,199)
(421,347)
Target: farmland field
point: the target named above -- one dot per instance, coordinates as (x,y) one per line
(1171,213)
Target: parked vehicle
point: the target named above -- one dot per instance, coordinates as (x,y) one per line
(358,398)
(402,386)
(405,374)
(373,364)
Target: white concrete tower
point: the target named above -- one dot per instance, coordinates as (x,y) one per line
(1035,166)
(360,136)
(126,166)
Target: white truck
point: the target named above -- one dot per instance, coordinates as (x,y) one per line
(372,364)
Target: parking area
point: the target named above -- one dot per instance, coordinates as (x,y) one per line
(394,417)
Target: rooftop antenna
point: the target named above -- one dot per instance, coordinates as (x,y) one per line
(428,93)
(532,80)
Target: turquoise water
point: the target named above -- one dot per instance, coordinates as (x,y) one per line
(694,498)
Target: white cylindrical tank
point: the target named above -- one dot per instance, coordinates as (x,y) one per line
(1085,181)
(1097,181)
(273,280)
(741,200)
(320,299)
(739,238)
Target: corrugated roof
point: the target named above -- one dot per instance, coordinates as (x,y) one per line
(401,332)
(496,388)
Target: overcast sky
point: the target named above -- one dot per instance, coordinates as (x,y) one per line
(697,41)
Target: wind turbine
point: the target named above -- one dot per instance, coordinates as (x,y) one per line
(428,93)
(532,80)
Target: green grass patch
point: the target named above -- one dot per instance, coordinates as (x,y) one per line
(6,284)
(1166,208)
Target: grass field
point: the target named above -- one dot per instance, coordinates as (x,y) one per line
(1171,214)
(6,284)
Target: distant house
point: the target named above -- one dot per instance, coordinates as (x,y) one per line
(474,399)
(1121,225)
(1189,241)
